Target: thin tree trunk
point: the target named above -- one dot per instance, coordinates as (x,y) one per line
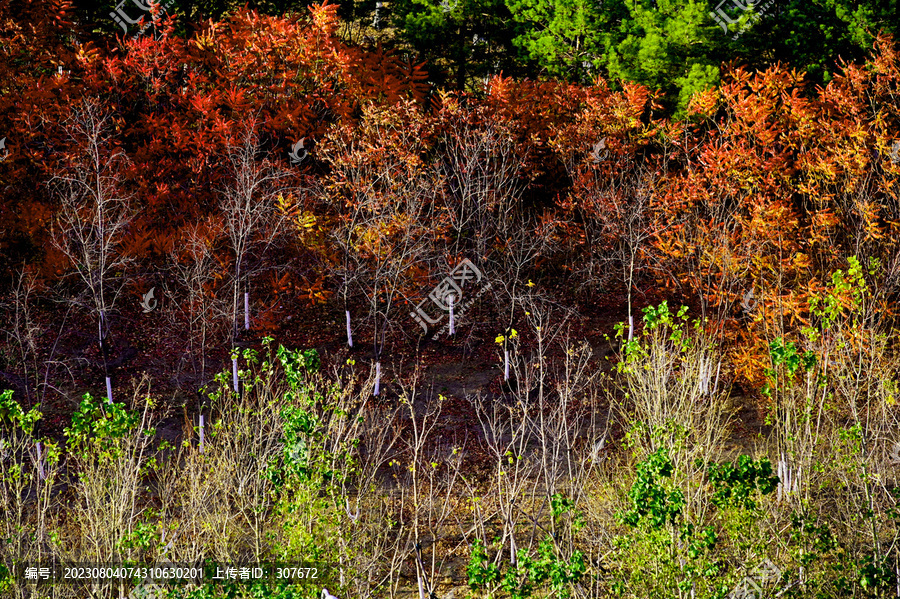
(349,332)
(452,329)
(377,378)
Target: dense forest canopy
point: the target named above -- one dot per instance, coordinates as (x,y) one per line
(677,46)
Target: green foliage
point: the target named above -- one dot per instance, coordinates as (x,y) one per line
(562,34)
(658,320)
(307,456)
(844,297)
(12,414)
(245,590)
(786,354)
(461,40)
(302,360)
(876,575)
(16,429)
(812,35)
(786,357)
(299,424)
(656,557)
(536,571)
(314,462)
(143,537)
(676,46)
(481,571)
(655,317)
(669,45)
(735,484)
(561,505)
(304,471)
(653,503)
(7,580)
(97,427)
(546,567)
(815,548)
(698,543)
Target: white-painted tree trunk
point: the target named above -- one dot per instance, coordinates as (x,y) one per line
(452,329)
(349,332)
(420,582)
(201,433)
(630,327)
(790,480)
(246,310)
(718,371)
(705,371)
(505,364)
(109,390)
(377,378)
(234,373)
(40,462)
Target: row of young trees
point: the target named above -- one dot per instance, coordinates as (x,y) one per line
(179,164)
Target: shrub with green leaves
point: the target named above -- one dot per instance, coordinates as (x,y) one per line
(653,503)
(663,553)
(98,429)
(20,530)
(545,570)
(736,484)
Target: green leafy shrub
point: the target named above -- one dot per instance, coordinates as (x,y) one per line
(735,484)
(652,502)
(539,571)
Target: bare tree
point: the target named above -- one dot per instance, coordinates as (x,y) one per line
(196,273)
(250,218)
(384,226)
(615,213)
(478,161)
(94,212)
(33,369)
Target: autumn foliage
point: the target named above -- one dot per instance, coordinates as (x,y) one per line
(767,187)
